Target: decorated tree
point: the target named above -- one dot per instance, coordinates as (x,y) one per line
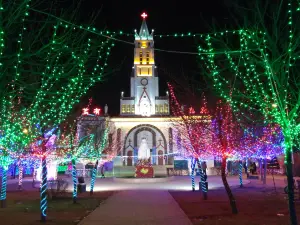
(69,148)
(227,133)
(258,67)
(50,65)
(194,130)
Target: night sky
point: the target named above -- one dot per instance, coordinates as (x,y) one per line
(165,17)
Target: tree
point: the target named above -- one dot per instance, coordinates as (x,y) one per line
(194,133)
(53,63)
(262,63)
(227,142)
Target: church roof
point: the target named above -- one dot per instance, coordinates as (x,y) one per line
(144,31)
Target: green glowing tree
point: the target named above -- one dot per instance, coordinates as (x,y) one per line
(258,67)
(49,63)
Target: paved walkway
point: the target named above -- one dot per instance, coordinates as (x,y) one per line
(138,207)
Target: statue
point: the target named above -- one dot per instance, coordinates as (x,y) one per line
(144,150)
(105,109)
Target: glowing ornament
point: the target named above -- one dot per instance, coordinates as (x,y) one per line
(96,111)
(85,111)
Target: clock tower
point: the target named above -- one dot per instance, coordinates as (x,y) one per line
(144,97)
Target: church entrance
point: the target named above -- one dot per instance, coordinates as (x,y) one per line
(160,158)
(129,158)
(154,140)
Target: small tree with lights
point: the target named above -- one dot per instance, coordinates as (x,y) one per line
(194,133)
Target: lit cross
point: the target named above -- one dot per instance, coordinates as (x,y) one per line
(144,15)
(96,111)
(85,111)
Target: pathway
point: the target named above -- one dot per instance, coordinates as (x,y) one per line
(138,207)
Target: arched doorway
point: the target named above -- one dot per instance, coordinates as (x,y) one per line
(129,158)
(160,158)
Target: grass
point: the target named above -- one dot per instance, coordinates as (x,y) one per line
(257,205)
(23,208)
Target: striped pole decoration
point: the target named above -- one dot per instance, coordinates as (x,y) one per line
(20,177)
(94,171)
(241,173)
(74,178)
(192,173)
(203,181)
(3,187)
(44,203)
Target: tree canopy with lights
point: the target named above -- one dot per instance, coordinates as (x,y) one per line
(257,67)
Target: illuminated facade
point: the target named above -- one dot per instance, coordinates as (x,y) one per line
(143,115)
(144,97)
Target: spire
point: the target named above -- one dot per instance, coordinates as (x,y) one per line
(144,31)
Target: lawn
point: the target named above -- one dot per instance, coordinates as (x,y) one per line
(23,208)
(257,205)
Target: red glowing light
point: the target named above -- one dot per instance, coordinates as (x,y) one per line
(144,15)
(85,111)
(97,111)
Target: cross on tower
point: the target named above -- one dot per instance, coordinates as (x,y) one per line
(144,15)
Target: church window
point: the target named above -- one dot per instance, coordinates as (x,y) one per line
(141,57)
(128,108)
(166,108)
(156,109)
(140,71)
(148,69)
(132,108)
(161,109)
(147,57)
(123,108)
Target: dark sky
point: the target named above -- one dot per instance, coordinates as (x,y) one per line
(165,17)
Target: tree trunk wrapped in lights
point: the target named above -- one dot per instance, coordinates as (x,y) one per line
(44,186)
(241,173)
(3,187)
(74,178)
(93,178)
(227,187)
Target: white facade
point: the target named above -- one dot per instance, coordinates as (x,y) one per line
(144,97)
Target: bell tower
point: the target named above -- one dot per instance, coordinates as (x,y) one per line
(144,88)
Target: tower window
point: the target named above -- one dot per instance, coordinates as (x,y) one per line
(123,108)
(166,108)
(128,108)
(161,110)
(147,57)
(141,57)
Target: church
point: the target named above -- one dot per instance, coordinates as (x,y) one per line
(144,115)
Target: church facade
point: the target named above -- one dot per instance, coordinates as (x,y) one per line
(143,115)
